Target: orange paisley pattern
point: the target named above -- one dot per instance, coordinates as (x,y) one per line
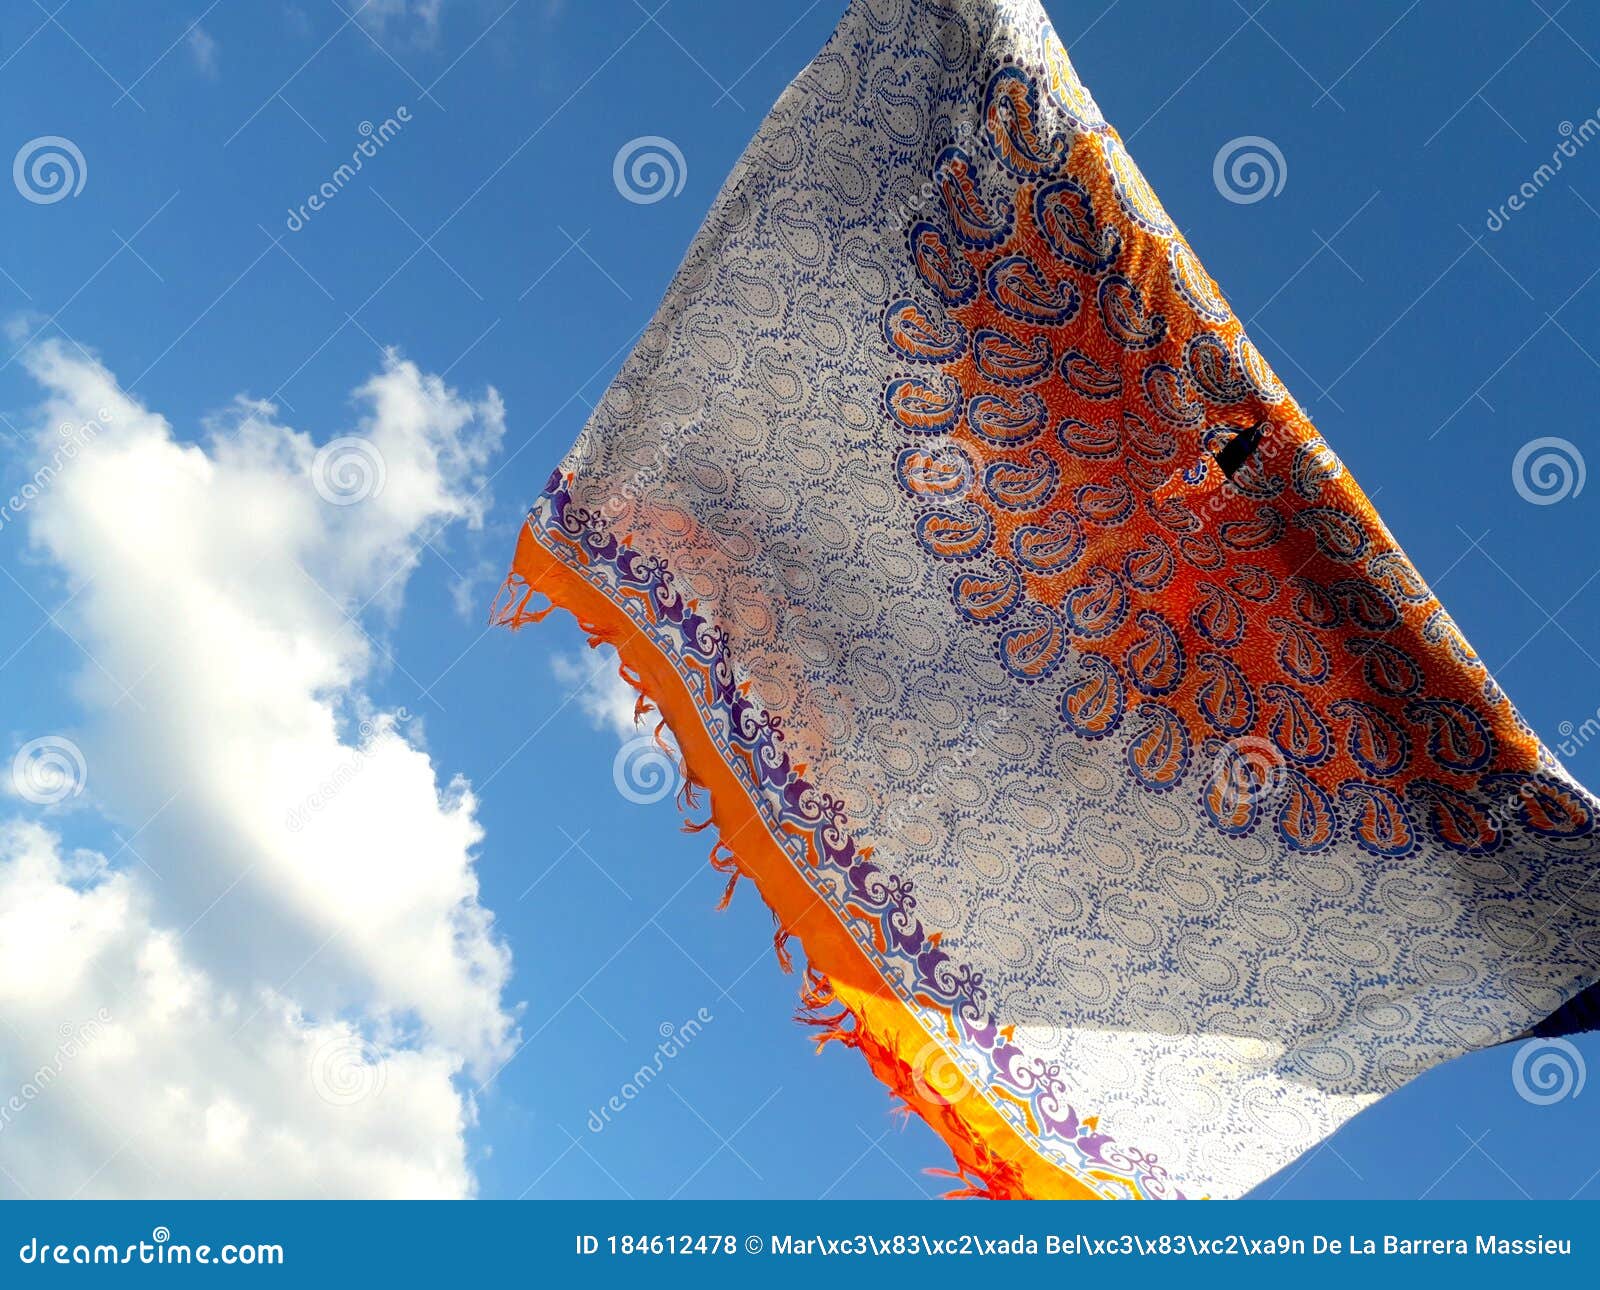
(1086,372)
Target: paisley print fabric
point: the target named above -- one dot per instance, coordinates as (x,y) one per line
(1141,814)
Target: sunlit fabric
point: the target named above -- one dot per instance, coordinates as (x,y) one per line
(1139,811)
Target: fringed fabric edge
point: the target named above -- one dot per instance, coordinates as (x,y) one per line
(843,997)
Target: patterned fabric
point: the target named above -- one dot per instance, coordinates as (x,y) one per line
(1129,792)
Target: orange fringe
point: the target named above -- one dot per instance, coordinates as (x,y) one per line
(842,996)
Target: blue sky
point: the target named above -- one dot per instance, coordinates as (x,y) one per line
(487,242)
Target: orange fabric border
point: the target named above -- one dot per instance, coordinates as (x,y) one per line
(844,994)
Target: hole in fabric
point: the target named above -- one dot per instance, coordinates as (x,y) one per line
(1577,1016)
(1233,454)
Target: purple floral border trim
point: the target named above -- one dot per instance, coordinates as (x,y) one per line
(789,802)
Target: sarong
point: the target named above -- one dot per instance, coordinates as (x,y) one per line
(1139,812)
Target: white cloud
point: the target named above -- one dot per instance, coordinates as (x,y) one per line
(203,50)
(126,1070)
(294,877)
(605,698)
(414,22)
